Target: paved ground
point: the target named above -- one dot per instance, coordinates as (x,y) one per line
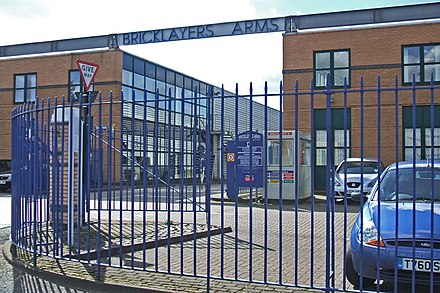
(286,246)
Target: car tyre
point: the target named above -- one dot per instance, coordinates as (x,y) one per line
(352,276)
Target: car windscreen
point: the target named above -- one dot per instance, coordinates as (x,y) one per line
(357,168)
(408,184)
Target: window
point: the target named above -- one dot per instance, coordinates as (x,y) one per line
(336,64)
(76,84)
(421,62)
(25,88)
(419,140)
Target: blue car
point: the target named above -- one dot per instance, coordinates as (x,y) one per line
(398,228)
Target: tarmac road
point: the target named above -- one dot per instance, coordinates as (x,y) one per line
(14,280)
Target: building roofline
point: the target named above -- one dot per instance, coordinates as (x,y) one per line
(291,24)
(365,26)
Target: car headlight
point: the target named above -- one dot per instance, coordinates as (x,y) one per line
(370,235)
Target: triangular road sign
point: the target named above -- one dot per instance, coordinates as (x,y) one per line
(88,71)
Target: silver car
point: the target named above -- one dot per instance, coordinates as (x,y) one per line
(356,175)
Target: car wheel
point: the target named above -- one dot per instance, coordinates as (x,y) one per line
(352,276)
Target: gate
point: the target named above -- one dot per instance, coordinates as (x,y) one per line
(134,179)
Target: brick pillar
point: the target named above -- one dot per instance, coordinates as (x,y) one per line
(64,169)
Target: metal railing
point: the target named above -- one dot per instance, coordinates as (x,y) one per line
(71,197)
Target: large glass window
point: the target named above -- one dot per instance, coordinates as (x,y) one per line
(335,64)
(25,87)
(421,62)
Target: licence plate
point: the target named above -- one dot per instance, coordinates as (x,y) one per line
(422,265)
(2,182)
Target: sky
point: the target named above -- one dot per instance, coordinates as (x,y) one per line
(220,61)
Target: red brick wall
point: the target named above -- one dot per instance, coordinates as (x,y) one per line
(52,81)
(381,47)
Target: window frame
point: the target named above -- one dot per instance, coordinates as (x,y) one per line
(421,64)
(332,68)
(25,87)
(81,83)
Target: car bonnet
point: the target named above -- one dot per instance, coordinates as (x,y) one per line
(406,217)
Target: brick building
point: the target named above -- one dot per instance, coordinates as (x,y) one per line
(388,50)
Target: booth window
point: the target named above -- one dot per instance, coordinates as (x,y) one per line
(421,62)
(25,87)
(336,64)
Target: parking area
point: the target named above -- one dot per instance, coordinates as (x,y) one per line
(267,244)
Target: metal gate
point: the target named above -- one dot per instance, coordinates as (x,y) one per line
(134,179)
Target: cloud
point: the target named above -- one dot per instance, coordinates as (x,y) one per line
(225,60)
(24,9)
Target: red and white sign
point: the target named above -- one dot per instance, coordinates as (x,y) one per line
(88,71)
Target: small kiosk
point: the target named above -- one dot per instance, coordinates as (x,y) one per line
(282,168)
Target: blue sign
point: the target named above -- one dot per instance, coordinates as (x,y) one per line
(249,159)
(255,26)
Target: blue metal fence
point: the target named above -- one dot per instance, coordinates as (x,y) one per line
(114,181)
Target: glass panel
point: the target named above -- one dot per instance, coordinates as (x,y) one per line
(171,77)
(179,80)
(31,80)
(161,87)
(436,136)
(151,84)
(321,138)
(411,55)
(305,159)
(432,54)
(341,59)
(31,95)
(19,81)
(409,71)
(179,92)
(340,75)
(339,155)
(139,66)
(409,154)
(127,62)
(428,152)
(322,60)
(339,138)
(188,84)
(203,112)
(321,157)
(139,81)
(127,77)
(432,70)
(178,106)
(127,93)
(74,77)
(160,73)
(74,89)
(321,77)
(138,95)
(274,153)
(409,137)
(19,96)
(151,70)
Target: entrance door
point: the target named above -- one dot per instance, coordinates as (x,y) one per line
(338,142)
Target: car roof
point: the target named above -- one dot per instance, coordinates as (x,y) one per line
(359,159)
(410,164)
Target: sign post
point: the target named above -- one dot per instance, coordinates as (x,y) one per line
(88,72)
